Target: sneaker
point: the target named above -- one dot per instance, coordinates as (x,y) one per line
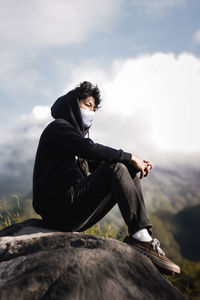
(155,253)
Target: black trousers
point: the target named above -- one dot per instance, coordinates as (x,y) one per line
(91,199)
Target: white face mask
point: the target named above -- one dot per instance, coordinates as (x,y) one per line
(87,116)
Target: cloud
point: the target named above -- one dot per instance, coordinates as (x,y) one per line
(52,23)
(196,37)
(47,23)
(33,33)
(160,90)
(30,28)
(18,147)
(18,144)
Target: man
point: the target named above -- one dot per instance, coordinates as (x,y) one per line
(76,182)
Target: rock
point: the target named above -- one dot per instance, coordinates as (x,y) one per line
(39,263)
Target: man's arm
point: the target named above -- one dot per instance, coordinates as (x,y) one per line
(65,137)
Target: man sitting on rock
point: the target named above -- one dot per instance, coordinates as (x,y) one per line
(76,182)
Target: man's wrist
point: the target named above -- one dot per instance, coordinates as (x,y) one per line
(133,158)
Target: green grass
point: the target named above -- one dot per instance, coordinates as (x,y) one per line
(189,280)
(8,217)
(106,230)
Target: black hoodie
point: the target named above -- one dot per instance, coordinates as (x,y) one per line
(56,167)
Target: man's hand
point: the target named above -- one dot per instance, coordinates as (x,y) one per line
(141,164)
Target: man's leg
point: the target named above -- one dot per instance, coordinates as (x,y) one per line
(95,195)
(102,209)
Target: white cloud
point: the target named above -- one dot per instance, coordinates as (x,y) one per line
(166,89)
(196,37)
(50,23)
(41,112)
(18,147)
(18,143)
(160,91)
(47,23)
(29,28)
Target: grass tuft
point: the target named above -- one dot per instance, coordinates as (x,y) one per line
(8,218)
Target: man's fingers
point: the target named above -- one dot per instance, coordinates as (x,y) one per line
(147,171)
(149,166)
(142,174)
(147,162)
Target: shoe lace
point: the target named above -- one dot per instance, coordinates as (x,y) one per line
(156,247)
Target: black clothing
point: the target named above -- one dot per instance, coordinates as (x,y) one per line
(56,168)
(93,197)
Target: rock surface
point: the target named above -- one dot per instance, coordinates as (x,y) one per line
(39,263)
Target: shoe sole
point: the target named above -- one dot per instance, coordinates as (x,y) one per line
(162,266)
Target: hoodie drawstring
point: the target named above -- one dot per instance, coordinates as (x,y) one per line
(83,165)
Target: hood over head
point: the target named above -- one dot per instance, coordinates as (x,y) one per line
(67,107)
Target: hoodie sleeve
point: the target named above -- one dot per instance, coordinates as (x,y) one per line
(68,139)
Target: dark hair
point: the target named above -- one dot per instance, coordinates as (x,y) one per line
(86,89)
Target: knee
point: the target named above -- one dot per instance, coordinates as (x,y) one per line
(120,168)
(117,168)
(120,165)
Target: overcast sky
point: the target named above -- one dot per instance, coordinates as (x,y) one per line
(143,54)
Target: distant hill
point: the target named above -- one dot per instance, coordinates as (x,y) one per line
(179,233)
(171,189)
(17,179)
(188,232)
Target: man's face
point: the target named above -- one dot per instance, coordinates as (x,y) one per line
(87,103)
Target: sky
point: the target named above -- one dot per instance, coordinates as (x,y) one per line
(142,54)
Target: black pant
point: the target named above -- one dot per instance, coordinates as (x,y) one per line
(91,199)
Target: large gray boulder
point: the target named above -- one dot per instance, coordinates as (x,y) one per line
(39,263)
